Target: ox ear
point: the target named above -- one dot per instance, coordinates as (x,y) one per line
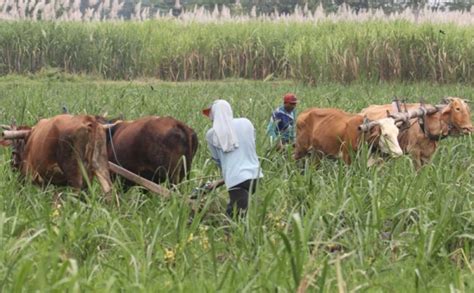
(446,110)
(366,120)
(364,127)
(374,134)
(5,142)
(399,123)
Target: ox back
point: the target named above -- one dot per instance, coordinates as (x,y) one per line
(330,132)
(157,148)
(62,150)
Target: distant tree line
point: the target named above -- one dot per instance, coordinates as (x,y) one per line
(282,6)
(288,6)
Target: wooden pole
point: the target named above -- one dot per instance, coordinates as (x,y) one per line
(15,134)
(150,185)
(400,116)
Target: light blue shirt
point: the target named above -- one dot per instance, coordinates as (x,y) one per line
(242,163)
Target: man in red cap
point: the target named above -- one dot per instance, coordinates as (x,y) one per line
(281,127)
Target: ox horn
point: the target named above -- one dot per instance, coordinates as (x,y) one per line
(15,134)
(404,101)
(395,104)
(110,125)
(107,126)
(422,102)
(446,100)
(439,108)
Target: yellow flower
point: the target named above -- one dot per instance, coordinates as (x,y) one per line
(170,255)
(203,228)
(280,225)
(190,238)
(205,242)
(55,229)
(55,213)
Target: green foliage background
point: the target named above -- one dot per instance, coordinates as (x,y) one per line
(314,53)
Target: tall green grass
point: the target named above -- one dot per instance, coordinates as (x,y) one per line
(335,227)
(326,51)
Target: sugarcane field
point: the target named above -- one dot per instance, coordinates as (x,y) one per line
(236,146)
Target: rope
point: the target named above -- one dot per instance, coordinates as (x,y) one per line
(112,145)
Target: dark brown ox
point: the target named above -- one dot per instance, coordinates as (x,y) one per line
(156,148)
(422,136)
(335,133)
(62,150)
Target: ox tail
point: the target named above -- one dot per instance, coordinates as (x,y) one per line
(303,137)
(96,156)
(192,145)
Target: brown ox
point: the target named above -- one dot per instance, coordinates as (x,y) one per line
(421,138)
(335,133)
(62,150)
(156,148)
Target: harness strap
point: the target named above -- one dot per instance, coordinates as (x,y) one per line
(424,129)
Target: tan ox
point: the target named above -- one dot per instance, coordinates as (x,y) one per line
(62,150)
(421,138)
(335,133)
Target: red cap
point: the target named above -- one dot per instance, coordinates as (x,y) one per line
(206,111)
(290,98)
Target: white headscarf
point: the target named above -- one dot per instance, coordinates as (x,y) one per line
(222,134)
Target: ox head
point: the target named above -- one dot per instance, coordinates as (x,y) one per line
(457,114)
(383,133)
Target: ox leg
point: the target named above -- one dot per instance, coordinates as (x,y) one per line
(346,157)
(100,164)
(425,161)
(299,153)
(178,172)
(417,161)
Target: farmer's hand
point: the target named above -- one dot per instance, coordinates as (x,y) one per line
(279,146)
(214,184)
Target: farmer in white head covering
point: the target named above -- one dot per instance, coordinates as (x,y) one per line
(232,146)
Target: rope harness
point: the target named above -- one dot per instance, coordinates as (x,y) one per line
(425,130)
(109,131)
